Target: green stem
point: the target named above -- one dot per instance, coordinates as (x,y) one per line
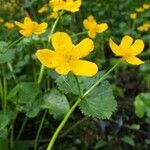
(13,43)
(4,85)
(52,141)
(42,67)
(1,93)
(62,124)
(12,137)
(102,78)
(52,30)
(39,81)
(80,33)
(39,130)
(12,72)
(78,85)
(22,128)
(101,53)
(41,74)
(133,26)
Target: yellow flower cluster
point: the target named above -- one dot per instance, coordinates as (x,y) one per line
(139,10)
(43,9)
(1,20)
(29,27)
(146,6)
(143,8)
(67,56)
(91,25)
(68,5)
(133,16)
(57,5)
(128,50)
(7,24)
(144,28)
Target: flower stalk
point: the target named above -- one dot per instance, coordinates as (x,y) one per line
(55,135)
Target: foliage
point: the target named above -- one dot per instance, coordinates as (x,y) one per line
(142,105)
(115,113)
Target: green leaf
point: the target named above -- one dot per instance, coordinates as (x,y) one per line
(27,97)
(28,91)
(7,56)
(4,144)
(134,127)
(100,144)
(128,140)
(142,105)
(3,46)
(100,102)
(13,92)
(3,133)
(23,145)
(56,103)
(67,84)
(32,108)
(4,120)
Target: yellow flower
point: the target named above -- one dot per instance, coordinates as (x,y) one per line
(91,25)
(133,16)
(30,27)
(146,6)
(66,56)
(128,50)
(43,9)
(68,5)
(140,9)
(9,25)
(53,15)
(145,27)
(1,20)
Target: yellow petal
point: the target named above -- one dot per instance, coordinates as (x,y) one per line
(126,42)
(92,34)
(45,56)
(58,59)
(43,25)
(89,23)
(27,20)
(21,25)
(83,48)
(134,60)
(136,48)
(86,24)
(63,69)
(115,48)
(57,4)
(101,27)
(26,32)
(84,68)
(72,6)
(62,42)
(53,15)
(40,28)
(91,19)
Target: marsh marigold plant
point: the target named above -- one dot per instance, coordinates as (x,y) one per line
(67,57)
(29,27)
(91,25)
(128,50)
